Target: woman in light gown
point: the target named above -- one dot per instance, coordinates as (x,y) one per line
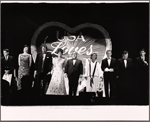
(57,83)
(24,62)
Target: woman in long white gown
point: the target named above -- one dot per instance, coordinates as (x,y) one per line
(57,83)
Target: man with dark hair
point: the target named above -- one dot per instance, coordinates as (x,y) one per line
(7,62)
(142,61)
(125,68)
(8,73)
(108,66)
(43,66)
(142,74)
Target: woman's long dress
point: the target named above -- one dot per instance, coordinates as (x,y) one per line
(24,69)
(57,83)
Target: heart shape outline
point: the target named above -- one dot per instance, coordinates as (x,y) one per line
(72,30)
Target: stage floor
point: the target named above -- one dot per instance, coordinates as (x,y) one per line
(52,100)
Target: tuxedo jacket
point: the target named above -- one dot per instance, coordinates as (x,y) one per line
(121,67)
(76,69)
(9,64)
(113,63)
(47,64)
(105,64)
(140,63)
(142,70)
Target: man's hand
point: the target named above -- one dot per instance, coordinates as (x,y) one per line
(52,71)
(32,84)
(146,62)
(48,73)
(106,69)
(111,70)
(35,73)
(6,72)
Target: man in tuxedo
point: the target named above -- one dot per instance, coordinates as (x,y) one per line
(108,66)
(7,62)
(142,61)
(8,74)
(142,74)
(73,69)
(43,66)
(125,75)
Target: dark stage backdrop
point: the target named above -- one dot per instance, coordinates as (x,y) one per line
(127,24)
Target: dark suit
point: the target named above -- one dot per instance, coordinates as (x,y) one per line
(9,64)
(42,69)
(109,77)
(142,77)
(73,73)
(125,77)
(32,68)
(140,63)
(7,90)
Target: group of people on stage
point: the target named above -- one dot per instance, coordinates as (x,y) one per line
(49,73)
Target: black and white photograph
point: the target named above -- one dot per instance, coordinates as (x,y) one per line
(74,54)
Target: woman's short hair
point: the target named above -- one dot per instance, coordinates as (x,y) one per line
(59,50)
(93,54)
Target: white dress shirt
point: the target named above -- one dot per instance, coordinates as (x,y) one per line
(109,61)
(74,61)
(6,58)
(44,55)
(125,63)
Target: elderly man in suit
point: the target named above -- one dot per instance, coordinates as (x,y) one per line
(73,70)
